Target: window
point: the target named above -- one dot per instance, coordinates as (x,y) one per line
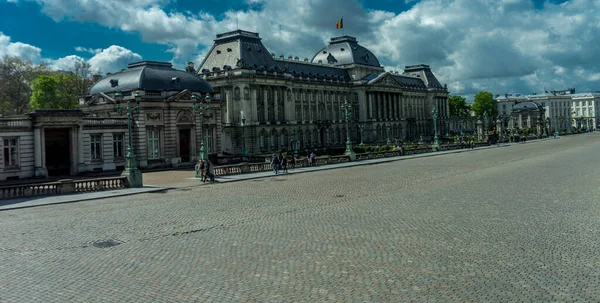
(96,146)
(153,144)
(11,152)
(118,145)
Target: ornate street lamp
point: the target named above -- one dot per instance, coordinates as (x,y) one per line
(347,112)
(201,108)
(485,125)
(387,127)
(131,172)
(244,152)
(436,143)
(362,130)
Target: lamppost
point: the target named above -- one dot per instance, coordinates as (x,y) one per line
(201,108)
(362,132)
(436,142)
(244,152)
(485,125)
(131,172)
(347,112)
(387,127)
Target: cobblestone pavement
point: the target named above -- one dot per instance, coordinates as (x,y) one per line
(514,224)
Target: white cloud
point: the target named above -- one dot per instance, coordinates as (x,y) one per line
(505,45)
(112,59)
(87,50)
(18,49)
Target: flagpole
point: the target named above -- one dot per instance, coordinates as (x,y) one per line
(343,29)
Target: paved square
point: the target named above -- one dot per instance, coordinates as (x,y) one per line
(513,224)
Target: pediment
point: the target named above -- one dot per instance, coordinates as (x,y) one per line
(386,80)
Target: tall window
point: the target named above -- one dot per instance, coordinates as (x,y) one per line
(209,140)
(96,146)
(11,152)
(118,145)
(154,144)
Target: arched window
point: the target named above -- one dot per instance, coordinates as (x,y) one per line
(262,141)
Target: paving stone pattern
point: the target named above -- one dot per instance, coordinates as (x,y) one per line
(514,224)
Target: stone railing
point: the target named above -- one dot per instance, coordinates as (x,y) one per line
(15,122)
(91,185)
(243,168)
(61,187)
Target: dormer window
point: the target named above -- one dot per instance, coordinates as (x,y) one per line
(342,49)
(229,50)
(175,79)
(218,51)
(324,52)
(114,82)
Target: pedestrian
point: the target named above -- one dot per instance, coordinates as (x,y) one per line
(314,158)
(309,159)
(275,163)
(472,144)
(202,170)
(284,164)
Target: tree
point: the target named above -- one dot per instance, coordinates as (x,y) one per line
(459,107)
(484,102)
(57,91)
(83,79)
(16,76)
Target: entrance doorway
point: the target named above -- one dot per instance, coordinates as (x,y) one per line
(184,144)
(58,151)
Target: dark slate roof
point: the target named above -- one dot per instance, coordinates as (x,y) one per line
(526,106)
(238,49)
(409,81)
(424,72)
(319,70)
(345,50)
(150,75)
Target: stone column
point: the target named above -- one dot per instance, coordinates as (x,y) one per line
(276,97)
(370,104)
(80,162)
(265,103)
(379,106)
(40,168)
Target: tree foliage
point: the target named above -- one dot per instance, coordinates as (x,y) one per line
(484,102)
(57,91)
(16,77)
(459,107)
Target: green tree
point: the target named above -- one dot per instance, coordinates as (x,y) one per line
(57,91)
(484,102)
(16,76)
(459,107)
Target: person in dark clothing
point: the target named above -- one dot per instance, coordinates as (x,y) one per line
(284,164)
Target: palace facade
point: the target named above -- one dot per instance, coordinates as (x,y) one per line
(272,104)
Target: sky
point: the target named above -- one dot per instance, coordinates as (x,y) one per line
(501,46)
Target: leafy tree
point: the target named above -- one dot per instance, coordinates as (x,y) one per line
(57,91)
(16,76)
(459,107)
(484,102)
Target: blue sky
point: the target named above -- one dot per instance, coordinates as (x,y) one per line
(504,46)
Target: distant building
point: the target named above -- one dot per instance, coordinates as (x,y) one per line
(564,109)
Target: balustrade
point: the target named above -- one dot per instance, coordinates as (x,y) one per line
(61,187)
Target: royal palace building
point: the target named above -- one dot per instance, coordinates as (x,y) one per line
(258,102)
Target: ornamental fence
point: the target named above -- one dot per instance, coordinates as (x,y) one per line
(61,187)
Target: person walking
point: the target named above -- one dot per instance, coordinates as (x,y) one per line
(284,164)
(275,163)
(309,159)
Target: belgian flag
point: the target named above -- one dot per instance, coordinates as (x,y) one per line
(340,24)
